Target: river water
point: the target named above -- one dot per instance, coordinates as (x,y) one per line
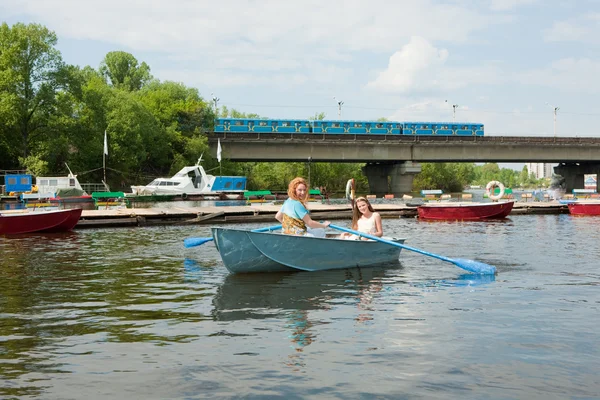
(129,313)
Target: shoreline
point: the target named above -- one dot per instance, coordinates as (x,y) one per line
(140,217)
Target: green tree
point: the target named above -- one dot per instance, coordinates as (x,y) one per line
(31,74)
(450,177)
(185,118)
(121,69)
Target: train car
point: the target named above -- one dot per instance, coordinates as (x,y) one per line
(294,126)
(443,128)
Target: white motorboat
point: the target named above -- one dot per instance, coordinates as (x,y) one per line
(194,181)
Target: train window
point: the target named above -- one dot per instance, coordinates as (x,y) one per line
(285,123)
(357,125)
(465,127)
(433,126)
(226,123)
(274,123)
(423,126)
(346,125)
(262,123)
(454,126)
(239,123)
(445,127)
(378,125)
(250,123)
(335,124)
(368,126)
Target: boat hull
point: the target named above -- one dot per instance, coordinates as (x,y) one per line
(43,221)
(584,208)
(244,251)
(465,211)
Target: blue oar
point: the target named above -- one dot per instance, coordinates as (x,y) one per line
(197,241)
(468,265)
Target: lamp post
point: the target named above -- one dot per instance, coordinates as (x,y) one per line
(454,107)
(339,103)
(215,100)
(554,109)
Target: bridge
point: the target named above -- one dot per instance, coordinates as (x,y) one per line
(398,156)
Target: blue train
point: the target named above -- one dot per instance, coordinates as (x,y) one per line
(347,127)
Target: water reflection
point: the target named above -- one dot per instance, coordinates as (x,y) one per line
(295,298)
(259,296)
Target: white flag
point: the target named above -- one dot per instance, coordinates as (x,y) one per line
(105,144)
(219,151)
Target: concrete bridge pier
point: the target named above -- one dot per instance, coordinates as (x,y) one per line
(574,173)
(395,178)
(402,176)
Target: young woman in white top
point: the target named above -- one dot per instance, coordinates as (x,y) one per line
(364,219)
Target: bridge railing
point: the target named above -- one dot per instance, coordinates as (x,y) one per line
(403,138)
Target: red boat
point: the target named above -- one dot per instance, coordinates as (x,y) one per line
(584,208)
(14,223)
(465,211)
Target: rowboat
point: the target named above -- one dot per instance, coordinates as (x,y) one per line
(26,221)
(465,211)
(584,207)
(246,251)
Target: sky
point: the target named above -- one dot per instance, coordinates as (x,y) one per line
(505,63)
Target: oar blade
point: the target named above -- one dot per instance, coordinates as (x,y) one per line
(476,267)
(195,241)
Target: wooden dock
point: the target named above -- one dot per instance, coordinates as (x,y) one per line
(263,213)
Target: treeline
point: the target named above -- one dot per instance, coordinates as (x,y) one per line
(52,113)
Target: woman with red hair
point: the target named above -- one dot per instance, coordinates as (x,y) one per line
(294,215)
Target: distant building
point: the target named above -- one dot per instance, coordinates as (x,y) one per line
(540,170)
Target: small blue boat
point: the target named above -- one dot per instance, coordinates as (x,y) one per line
(245,251)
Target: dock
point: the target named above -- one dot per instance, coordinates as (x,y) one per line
(128,217)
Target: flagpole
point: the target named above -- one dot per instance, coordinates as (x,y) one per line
(104,154)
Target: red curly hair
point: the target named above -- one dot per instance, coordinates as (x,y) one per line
(294,183)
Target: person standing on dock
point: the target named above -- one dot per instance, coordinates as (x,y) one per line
(293,215)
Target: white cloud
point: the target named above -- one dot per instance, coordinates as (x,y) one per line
(506,5)
(340,26)
(584,28)
(416,60)
(567,74)
(420,67)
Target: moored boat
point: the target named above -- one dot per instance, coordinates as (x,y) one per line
(26,221)
(246,251)
(193,180)
(584,207)
(465,211)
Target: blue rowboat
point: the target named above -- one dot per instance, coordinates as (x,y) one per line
(246,251)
